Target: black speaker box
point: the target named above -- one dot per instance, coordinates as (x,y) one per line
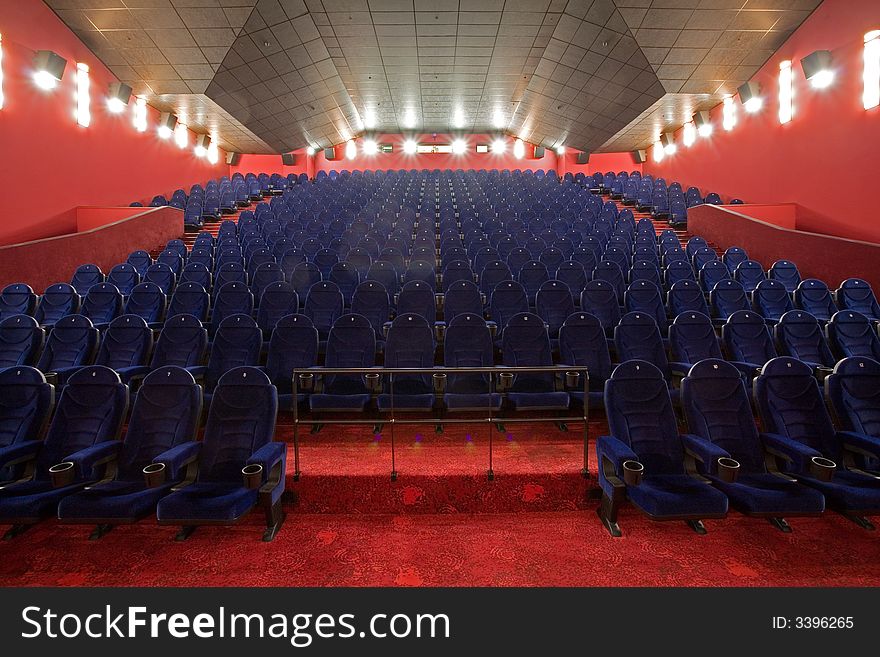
(539,152)
(233,159)
(583,158)
(330,153)
(288,159)
(639,156)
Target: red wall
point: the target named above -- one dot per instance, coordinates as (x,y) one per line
(259,163)
(50,164)
(601,162)
(824,159)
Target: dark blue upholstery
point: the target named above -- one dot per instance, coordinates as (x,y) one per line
(798,426)
(799,335)
(351,343)
(324,305)
(749,273)
(786,272)
(57,301)
(611,273)
(508,299)
(147,302)
(232,299)
(712,273)
(525,343)
(410,343)
(196,272)
(728,297)
(84,430)
(85,277)
(294,345)
(851,334)
(346,277)
(102,304)
(279,299)
(125,347)
(140,260)
(814,297)
(636,337)
(692,339)
(643,428)
(686,296)
(747,339)
(532,275)
(854,391)
(165,416)
(162,275)
(554,305)
(644,297)
(468,343)
(417,297)
(237,343)
(855,294)
(600,300)
(26,402)
(71,344)
(21,339)
(182,343)
(239,432)
(371,301)
(190,298)
(717,408)
(582,342)
(124,277)
(771,300)
(17,299)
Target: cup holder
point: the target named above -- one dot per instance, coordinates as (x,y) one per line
(439,382)
(62,474)
(632,472)
(374,382)
(572,379)
(728,469)
(505,381)
(154,475)
(440,332)
(253,476)
(822,468)
(306,382)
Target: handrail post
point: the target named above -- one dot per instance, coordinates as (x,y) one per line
(491,473)
(296,471)
(586,470)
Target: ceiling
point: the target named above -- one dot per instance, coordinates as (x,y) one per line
(275,75)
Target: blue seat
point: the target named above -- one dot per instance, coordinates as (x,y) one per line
(84,433)
(786,272)
(183,342)
(637,337)
(733,256)
(719,416)
(17,299)
(644,297)
(582,342)
(800,336)
(140,260)
(371,300)
(102,304)
(726,298)
(346,277)
(645,270)
(677,270)
(799,431)
(747,340)
(572,273)
(492,274)
(712,273)
(457,270)
(324,305)
(554,305)
(854,392)
(851,334)
(692,339)
(21,339)
(124,277)
(71,345)
(771,300)
(611,273)
(420,270)
(600,300)
(232,299)
(324,260)
(26,403)
(410,343)
(468,343)
(686,296)
(293,345)
(749,273)
(196,272)
(644,437)
(351,343)
(161,275)
(237,343)
(384,273)
(125,347)
(85,277)
(508,299)
(462,297)
(855,294)
(147,302)
(163,425)
(173,259)
(814,297)
(303,277)
(278,300)
(190,298)
(702,256)
(238,434)
(525,343)
(58,300)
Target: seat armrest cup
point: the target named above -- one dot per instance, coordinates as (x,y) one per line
(252,475)
(728,469)
(154,475)
(822,468)
(62,474)
(632,472)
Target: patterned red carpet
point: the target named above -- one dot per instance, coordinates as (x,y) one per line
(442,523)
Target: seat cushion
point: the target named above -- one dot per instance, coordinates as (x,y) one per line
(668,496)
(422,402)
(33,499)
(848,491)
(765,493)
(325,402)
(472,401)
(207,502)
(117,500)
(526,401)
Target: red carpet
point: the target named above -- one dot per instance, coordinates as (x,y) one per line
(353,526)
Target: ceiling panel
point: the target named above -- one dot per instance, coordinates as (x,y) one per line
(275,75)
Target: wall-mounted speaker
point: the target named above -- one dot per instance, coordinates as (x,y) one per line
(539,152)
(583,158)
(288,159)
(330,153)
(232,159)
(639,156)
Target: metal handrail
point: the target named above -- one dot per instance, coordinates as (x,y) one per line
(490,420)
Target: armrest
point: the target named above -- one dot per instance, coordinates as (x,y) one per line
(178,457)
(795,453)
(126,374)
(198,371)
(19,452)
(860,443)
(612,455)
(86,460)
(704,451)
(271,457)
(680,369)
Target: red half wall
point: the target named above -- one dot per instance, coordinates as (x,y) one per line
(824,159)
(50,164)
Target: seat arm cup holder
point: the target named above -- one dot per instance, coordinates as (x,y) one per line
(505,381)
(728,469)
(822,468)
(493,330)
(374,382)
(572,379)
(252,475)
(439,382)
(62,474)
(306,382)
(632,472)
(440,333)
(154,475)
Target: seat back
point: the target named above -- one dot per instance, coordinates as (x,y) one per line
(26,402)
(278,300)
(182,342)
(146,301)
(140,260)
(417,297)
(166,413)
(102,304)
(241,419)
(508,299)
(124,277)
(90,410)
(196,272)
(728,297)
(771,299)
(85,277)
(554,305)
(851,334)
(692,338)
(814,297)
(799,335)
(410,343)
(786,272)
(351,343)
(468,343)
(525,343)
(232,299)
(294,345)
(71,343)
(20,340)
(637,337)
(640,415)
(126,343)
(855,294)
(573,275)
(790,403)
(644,297)
(749,273)
(854,391)
(747,338)
(17,299)
(686,296)
(162,275)
(346,278)
(324,305)
(712,273)
(462,297)
(582,342)
(190,298)
(57,301)
(610,273)
(237,343)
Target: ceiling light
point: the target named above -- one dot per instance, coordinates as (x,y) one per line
(167,123)
(83,97)
(704,124)
(310,151)
(657,152)
(519,149)
(499,146)
(370,147)
(350,150)
(202,144)
(458,146)
(181,135)
(458,118)
(409,119)
(140,114)
(689,134)
(118,96)
(871,74)
(48,69)
(213,152)
(668,141)
(410,147)
(728,114)
(369,119)
(498,119)
(817,68)
(750,96)
(560,150)
(786,91)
